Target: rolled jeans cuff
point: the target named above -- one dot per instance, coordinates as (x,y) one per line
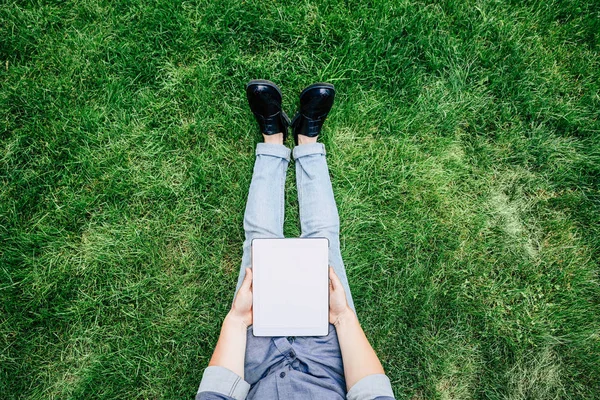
(308,149)
(275,150)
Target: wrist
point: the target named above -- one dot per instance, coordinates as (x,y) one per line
(235,321)
(345,317)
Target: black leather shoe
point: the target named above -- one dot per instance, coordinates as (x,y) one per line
(315,102)
(264,98)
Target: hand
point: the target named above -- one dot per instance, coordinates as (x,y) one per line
(338,305)
(242,305)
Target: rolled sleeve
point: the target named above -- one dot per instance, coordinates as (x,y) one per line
(376,386)
(220,380)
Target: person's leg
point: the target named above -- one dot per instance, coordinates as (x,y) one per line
(318,211)
(265,207)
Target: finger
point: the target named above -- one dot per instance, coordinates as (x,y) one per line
(247,280)
(335,281)
(249,271)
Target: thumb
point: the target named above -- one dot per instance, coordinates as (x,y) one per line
(247,282)
(335,281)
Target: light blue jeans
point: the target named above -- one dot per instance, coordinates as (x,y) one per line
(318,213)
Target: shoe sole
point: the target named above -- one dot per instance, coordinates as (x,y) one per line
(318,85)
(265,83)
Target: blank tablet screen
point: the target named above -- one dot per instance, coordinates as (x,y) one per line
(290,287)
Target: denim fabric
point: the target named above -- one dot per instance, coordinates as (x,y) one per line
(220,381)
(318,212)
(294,367)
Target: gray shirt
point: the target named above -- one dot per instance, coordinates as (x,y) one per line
(291,368)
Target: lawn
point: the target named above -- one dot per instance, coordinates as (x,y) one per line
(464,150)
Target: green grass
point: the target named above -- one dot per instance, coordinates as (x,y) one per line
(464,149)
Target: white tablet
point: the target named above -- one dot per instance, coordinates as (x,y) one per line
(290,286)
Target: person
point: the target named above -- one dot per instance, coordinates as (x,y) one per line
(340,365)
